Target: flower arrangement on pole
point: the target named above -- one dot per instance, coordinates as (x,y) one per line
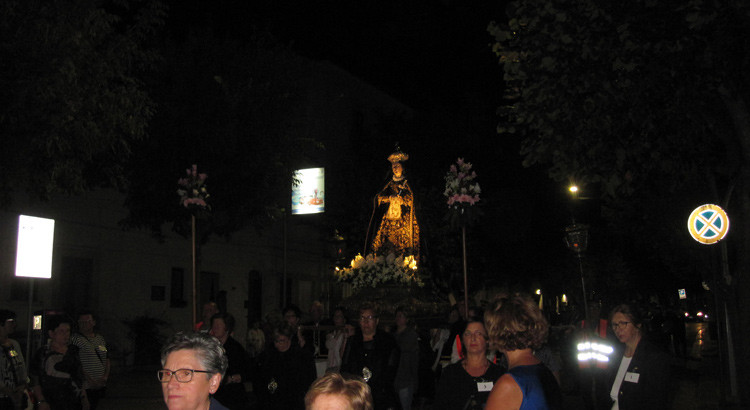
(462,192)
(194,196)
(192,190)
(372,270)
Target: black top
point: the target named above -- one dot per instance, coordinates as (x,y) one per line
(653,387)
(458,390)
(316,337)
(60,377)
(282,379)
(381,357)
(233,395)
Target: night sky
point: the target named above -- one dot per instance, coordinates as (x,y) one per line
(436,58)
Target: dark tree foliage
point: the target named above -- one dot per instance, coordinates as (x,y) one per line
(647,101)
(72,104)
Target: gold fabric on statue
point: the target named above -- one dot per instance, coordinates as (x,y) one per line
(398,231)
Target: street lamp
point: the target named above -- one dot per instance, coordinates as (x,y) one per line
(577,240)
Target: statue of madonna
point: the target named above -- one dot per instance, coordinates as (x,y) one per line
(398,231)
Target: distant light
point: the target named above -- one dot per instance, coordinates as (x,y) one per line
(699,314)
(538,291)
(687,314)
(598,352)
(564,298)
(573,188)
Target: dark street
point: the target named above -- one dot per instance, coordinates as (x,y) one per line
(696,379)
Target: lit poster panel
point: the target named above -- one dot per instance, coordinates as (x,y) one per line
(308,196)
(34,254)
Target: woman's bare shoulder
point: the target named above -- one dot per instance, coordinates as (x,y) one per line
(505,395)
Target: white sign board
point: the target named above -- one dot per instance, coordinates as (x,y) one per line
(34,254)
(682,293)
(308,196)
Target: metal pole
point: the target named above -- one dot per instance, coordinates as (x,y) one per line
(195,291)
(29,326)
(583,288)
(729,340)
(466,280)
(283,276)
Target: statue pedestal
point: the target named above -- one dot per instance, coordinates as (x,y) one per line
(424,304)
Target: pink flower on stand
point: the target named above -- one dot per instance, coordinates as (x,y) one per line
(192,189)
(460,188)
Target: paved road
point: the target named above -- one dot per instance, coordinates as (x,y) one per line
(696,380)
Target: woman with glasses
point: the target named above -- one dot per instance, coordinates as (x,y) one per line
(374,356)
(516,326)
(193,365)
(467,384)
(284,373)
(640,379)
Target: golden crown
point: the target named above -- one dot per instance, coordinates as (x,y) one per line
(398,157)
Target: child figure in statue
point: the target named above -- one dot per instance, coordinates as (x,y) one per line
(398,231)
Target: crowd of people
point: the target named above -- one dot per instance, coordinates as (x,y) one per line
(490,357)
(499,359)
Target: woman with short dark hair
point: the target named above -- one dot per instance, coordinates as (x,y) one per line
(374,356)
(515,327)
(232,392)
(640,378)
(284,373)
(57,371)
(467,384)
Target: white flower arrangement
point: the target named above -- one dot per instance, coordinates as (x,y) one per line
(372,270)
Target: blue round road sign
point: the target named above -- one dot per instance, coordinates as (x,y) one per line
(708,224)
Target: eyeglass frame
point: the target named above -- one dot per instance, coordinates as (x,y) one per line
(619,325)
(174,373)
(478,333)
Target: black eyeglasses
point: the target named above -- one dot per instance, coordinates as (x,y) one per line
(182,375)
(619,325)
(478,333)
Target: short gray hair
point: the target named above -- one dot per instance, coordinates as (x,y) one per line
(209,350)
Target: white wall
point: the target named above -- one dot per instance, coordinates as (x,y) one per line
(127,263)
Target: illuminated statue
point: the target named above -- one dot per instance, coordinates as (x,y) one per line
(398,231)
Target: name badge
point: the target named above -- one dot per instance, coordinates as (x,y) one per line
(484,386)
(632,377)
